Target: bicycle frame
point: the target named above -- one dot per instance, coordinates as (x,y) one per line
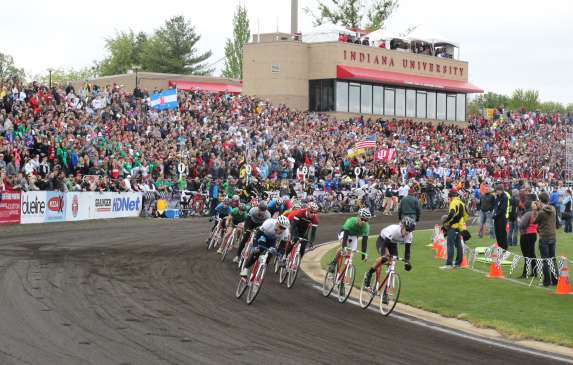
(254,271)
(345,258)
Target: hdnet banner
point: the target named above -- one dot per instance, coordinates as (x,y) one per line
(166,99)
(114,205)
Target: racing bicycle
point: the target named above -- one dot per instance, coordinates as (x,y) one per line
(388,288)
(244,255)
(343,276)
(290,270)
(216,235)
(254,280)
(230,243)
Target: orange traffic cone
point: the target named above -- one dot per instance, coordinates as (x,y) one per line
(439,251)
(464,263)
(563,284)
(494,270)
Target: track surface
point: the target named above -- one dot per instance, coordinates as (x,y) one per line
(147,292)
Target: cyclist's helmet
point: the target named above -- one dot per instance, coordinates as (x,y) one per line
(364,214)
(283,221)
(235,198)
(279,200)
(296,205)
(226,200)
(313,207)
(263,205)
(409,224)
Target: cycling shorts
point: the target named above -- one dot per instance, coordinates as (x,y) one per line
(352,242)
(383,243)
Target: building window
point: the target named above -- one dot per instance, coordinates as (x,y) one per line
(421,105)
(451,107)
(389,101)
(366,99)
(378,100)
(400,103)
(431,110)
(461,108)
(441,106)
(341,96)
(314,95)
(411,103)
(354,98)
(321,95)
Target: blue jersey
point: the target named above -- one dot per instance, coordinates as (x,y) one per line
(222,211)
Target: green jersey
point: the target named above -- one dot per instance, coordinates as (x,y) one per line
(238,216)
(354,229)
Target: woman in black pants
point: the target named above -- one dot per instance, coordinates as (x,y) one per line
(528,236)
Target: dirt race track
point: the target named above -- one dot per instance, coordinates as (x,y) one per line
(148,292)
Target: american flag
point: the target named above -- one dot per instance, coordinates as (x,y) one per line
(369,142)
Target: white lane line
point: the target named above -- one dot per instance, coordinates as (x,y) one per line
(497,343)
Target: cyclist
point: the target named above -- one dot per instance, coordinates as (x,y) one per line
(235,201)
(266,237)
(353,228)
(387,245)
(257,216)
(300,222)
(221,210)
(295,206)
(234,219)
(275,206)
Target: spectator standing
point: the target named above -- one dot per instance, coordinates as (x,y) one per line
(544,216)
(528,235)
(566,214)
(513,227)
(487,202)
(409,207)
(501,215)
(454,223)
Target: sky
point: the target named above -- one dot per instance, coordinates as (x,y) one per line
(509,44)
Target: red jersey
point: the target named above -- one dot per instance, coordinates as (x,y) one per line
(299,216)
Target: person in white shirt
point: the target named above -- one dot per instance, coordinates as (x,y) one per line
(271,231)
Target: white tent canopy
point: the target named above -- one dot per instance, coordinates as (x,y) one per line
(420,33)
(325,33)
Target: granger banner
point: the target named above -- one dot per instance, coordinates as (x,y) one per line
(10,207)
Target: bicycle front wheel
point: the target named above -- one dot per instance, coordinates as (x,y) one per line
(255,285)
(214,238)
(241,286)
(283,273)
(390,294)
(329,281)
(367,294)
(228,247)
(345,286)
(293,271)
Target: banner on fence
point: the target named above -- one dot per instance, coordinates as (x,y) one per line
(33,207)
(10,207)
(114,205)
(78,206)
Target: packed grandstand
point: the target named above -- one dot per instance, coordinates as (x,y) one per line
(109,139)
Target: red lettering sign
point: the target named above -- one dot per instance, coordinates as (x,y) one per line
(361,58)
(352,56)
(10,207)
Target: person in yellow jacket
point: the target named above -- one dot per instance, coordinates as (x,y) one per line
(454,223)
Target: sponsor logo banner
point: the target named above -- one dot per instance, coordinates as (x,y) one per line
(33,207)
(9,207)
(114,205)
(55,207)
(78,206)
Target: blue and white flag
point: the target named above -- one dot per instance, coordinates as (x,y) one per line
(166,99)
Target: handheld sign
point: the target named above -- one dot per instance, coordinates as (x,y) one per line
(357,171)
(248,170)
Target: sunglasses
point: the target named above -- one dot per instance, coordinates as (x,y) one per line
(281,228)
(363,219)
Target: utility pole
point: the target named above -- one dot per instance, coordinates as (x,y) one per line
(50,70)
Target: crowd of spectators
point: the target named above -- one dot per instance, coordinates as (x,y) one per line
(108,139)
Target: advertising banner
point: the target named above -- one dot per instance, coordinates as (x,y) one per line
(116,205)
(55,206)
(78,206)
(10,207)
(33,207)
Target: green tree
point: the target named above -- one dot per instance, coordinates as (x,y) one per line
(172,49)
(369,15)
(569,108)
(492,100)
(234,47)
(63,77)
(528,99)
(551,106)
(125,51)
(8,69)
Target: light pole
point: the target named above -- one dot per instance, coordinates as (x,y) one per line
(50,70)
(136,68)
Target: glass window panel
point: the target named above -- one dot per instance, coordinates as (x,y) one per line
(366,99)
(389,101)
(451,107)
(400,102)
(431,105)
(411,103)
(354,99)
(378,100)
(341,96)
(441,106)
(421,105)
(314,95)
(461,108)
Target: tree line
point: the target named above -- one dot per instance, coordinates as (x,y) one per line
(520,99)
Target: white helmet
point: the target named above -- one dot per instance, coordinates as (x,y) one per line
(283,221)
(364,213)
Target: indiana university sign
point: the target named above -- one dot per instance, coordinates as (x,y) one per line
(403,62)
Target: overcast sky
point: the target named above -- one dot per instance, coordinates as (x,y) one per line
(508,44)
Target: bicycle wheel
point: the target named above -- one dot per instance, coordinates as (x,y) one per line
(329,281)
(293,271)
(283,273)
(228,247)
(367,294)
(346,285)
(391,291)
(275,263)
(255,285)
(214,238)
(241,286)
